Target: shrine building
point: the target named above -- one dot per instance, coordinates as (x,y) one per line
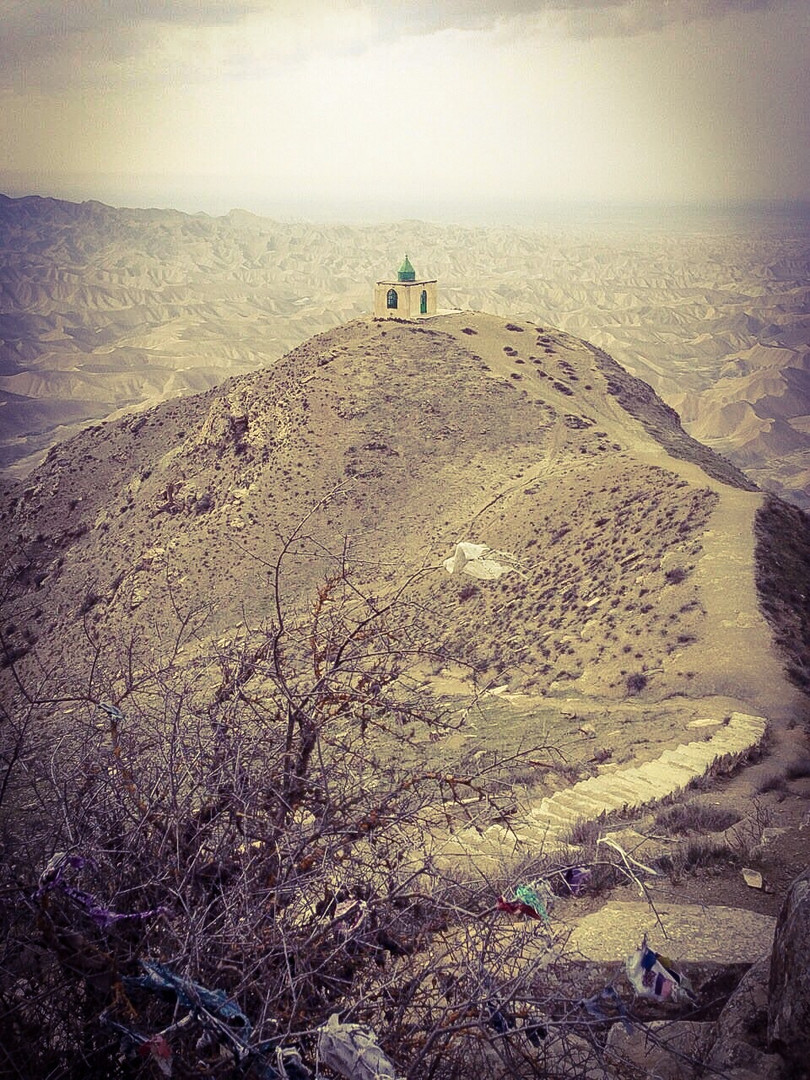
(405,298)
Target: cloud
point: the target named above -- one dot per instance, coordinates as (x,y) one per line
(581,18)
(53,45)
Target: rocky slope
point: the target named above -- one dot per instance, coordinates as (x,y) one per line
(502,570)
(383,445)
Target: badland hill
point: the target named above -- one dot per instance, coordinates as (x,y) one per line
(630,547)
(278,655)
(109,310)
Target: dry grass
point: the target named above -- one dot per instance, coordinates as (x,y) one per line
(694,817)
(695,855)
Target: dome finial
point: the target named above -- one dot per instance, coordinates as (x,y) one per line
(406,272)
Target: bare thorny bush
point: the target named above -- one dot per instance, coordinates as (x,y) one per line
(260,817)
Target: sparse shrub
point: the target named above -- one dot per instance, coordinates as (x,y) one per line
(204,504)
(636,682)
(694,855)
(261,806)
(772,781)
(675,576)
(695,817)
(585,833)
(91,598)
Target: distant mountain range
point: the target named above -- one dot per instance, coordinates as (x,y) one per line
(106,311)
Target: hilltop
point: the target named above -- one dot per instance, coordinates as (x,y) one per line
(107,311)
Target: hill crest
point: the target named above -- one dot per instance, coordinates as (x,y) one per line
(395,441)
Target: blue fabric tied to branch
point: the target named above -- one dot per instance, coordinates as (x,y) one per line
(217,1012)
(595,1005)
(111,710)
(193,996)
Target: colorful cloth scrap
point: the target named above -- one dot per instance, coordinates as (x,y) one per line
(654,976)
(533,900)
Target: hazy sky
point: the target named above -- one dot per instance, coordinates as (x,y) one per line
(404,106)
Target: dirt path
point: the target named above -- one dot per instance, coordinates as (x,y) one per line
(738,641)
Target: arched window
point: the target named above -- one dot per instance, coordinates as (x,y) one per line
(391,299)
(423,302)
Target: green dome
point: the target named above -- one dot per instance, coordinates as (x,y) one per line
(406,272)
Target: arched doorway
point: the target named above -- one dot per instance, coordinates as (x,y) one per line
(423,302)
(391,300)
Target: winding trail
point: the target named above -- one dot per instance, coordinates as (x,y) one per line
(546,826)
(738,642)
(739,690)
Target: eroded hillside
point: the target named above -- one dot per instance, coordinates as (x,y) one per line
(384,444)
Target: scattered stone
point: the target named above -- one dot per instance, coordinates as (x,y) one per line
(473,559)
(590,630)
(754,880)
(140,592)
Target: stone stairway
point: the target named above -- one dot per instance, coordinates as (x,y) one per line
(548,825)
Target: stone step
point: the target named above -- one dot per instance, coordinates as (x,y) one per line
(640,785)
(749,730)
(665,778)
(583,806)
(732,741)
(642,790)
(689,757)
(558,816)
(593,782)
(638,793)
(548,837)
(615,797)
(748,722)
